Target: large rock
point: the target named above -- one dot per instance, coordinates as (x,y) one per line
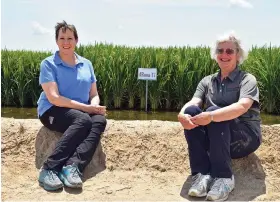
(45,143)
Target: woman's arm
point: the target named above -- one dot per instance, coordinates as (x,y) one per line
(94,97)
(232,111)
(194,101)
(51,90)
(223,114)
(95,100)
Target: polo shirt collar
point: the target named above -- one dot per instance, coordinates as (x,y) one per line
(231,76)
(58,60)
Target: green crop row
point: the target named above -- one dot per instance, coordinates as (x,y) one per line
(116,67)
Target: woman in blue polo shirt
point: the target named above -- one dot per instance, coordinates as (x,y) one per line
(69,104)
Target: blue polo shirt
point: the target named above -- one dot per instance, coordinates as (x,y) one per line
(73,82)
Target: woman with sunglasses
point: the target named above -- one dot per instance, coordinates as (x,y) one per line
(69,104)
(228,127)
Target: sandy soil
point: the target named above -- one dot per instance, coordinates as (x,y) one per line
(145,160)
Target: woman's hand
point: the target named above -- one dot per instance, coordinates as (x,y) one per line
(95,109)
(201,119)
(185,120)
(100,109)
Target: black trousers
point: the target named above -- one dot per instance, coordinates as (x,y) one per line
(212,147)
(81,136)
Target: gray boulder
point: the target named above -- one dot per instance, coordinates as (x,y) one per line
(45,144)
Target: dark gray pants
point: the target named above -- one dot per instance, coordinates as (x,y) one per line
(81,136)
(212,147)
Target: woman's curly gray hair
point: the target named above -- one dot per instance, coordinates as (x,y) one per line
(231,36)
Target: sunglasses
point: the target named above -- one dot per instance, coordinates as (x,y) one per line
(228,51)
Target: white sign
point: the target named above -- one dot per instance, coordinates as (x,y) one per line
(147,73)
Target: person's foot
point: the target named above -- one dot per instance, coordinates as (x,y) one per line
(220,189)
(71,176)
(49,180)
(200,185)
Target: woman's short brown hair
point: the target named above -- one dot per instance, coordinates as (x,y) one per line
(63,25)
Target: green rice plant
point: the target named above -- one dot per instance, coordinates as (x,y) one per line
(171,66)
(102,65)
(264,64)
(158,88)
(130,81)
(117,75)
(22,80)
(7,84)
(183,78)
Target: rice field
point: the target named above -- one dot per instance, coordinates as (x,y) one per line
(179,71)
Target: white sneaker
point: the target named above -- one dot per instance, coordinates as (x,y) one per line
(200,185)
(220,189)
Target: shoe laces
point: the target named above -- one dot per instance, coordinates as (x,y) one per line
(52,175)
(75,172)
(197,181)
(217,183)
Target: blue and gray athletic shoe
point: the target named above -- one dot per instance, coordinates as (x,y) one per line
(71,176)
(49,180)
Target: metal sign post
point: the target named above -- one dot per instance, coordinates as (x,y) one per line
(147,74)
(146,109)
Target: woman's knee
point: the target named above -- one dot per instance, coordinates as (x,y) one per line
(84,120)
(192,110)
(100,120)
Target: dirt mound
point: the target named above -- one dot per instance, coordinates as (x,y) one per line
(145,160)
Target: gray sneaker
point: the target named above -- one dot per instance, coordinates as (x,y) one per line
(200,185)
(71,176)
(48,180)
(220,189)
